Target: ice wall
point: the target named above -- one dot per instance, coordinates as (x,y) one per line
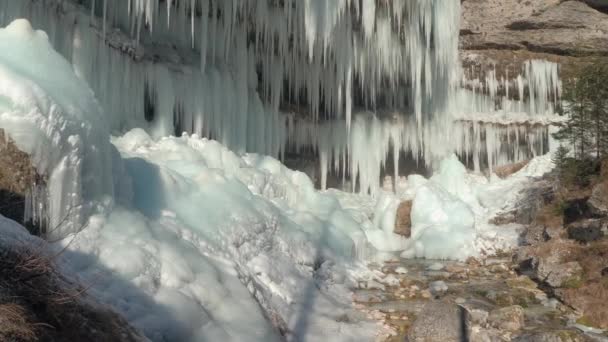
(231,70)
(534,90)
(325,55)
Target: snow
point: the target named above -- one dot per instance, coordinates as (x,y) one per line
(207,220)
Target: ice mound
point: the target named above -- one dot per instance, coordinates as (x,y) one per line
(53,116)
(443,220)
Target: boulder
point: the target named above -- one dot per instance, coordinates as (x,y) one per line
(547,262)
(510,318)
(535,234)
(403,222)
(439,321)
(598,202)
(506,170)
(557,275)
(576,209)
(438,287)
(587,230)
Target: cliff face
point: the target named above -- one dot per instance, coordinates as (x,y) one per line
(507,32)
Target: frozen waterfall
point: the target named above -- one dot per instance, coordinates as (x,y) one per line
(356,82)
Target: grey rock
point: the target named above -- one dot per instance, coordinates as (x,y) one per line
(439,321)
(476,316)
(587,230)
(510,318)
(438,288)
(559,274)
(534,235)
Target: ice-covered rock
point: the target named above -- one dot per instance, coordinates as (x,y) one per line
(442,225)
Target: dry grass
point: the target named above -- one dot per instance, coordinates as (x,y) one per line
(14,323)
(41,304)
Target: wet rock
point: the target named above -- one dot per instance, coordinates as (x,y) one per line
(439,321)
(587,230)
(510,318)
(403,222)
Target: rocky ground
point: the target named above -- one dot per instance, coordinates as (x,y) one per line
(470,301)
(554,287)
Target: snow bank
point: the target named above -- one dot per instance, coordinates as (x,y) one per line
(451,211)
(222,242)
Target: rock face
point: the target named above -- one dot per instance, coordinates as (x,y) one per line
(573,271)
(534,197)
(501,35)
(403,222)
(570,28)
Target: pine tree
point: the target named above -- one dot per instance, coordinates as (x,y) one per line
(586,128)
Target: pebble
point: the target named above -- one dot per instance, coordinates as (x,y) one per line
(372,284)
(401,270)
(391,280)
(436,267)
(438,287)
